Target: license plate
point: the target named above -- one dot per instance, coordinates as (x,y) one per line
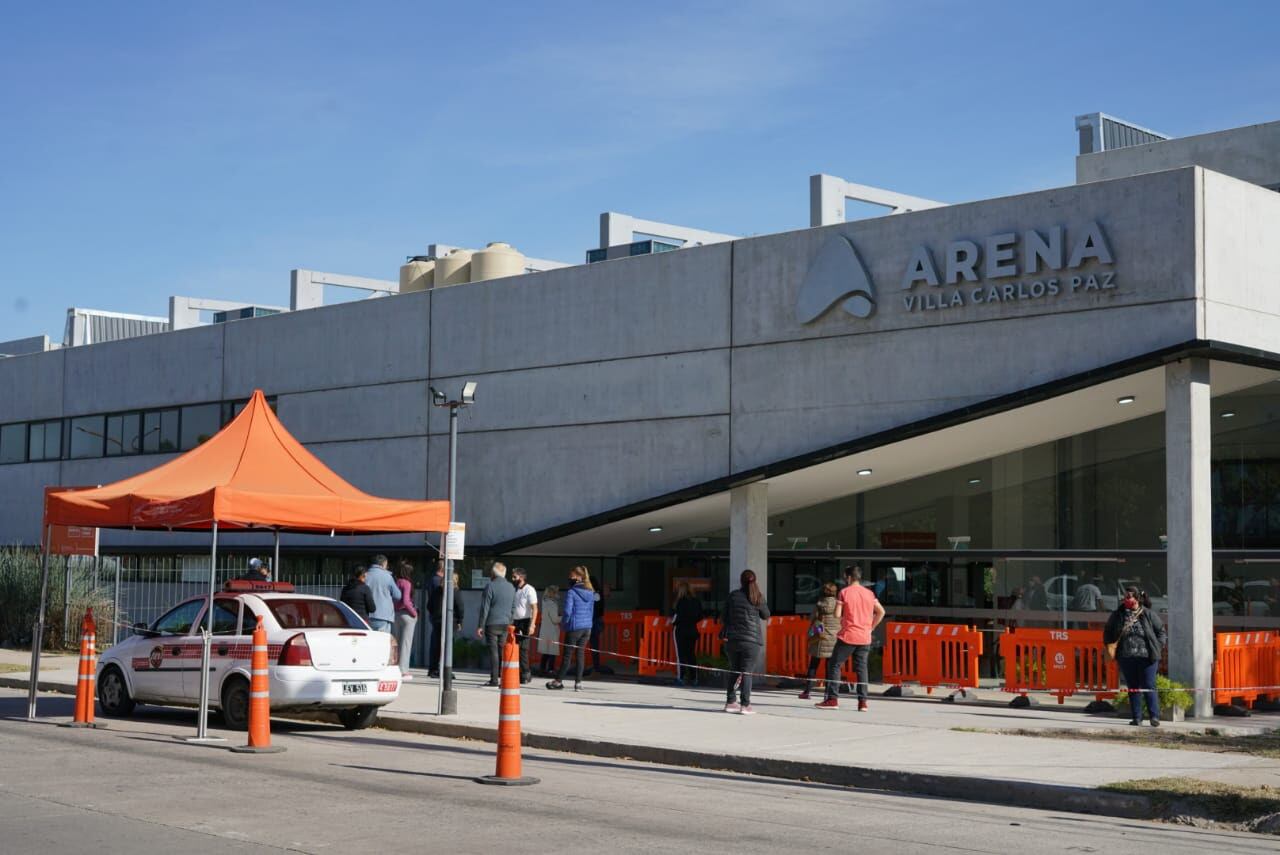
(355,688)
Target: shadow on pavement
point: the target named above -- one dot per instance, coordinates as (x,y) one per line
(623,706)
(539,756)
(404,772)
(64,706)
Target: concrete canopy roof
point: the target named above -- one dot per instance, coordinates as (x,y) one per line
(892,461)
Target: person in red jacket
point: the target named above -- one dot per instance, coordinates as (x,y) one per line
(861,613)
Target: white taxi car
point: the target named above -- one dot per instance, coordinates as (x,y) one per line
(322,656)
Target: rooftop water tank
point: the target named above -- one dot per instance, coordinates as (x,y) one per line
(417,274)
(496,261)
(454,268)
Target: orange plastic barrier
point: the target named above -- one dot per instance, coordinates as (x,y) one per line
(787,645)
(709,643)
(1245,665)
(931,655)
(621,634)
(1061,661)
(657,647)
(508,771)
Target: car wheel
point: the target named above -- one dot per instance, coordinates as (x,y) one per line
(358,718)
(113,694)
(235,703)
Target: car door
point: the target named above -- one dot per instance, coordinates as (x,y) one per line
(158,669)
(222,649)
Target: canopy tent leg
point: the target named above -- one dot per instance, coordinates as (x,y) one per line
(275,562)
(66,598)
(202,723)
(37,634)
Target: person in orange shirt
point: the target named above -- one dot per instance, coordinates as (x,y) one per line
(861,613)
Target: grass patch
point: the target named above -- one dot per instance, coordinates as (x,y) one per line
(1189,799)
(12,667)
(1212,740)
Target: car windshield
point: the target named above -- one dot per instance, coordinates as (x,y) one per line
(313,614)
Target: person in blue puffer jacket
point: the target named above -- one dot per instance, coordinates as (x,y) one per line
(579,601)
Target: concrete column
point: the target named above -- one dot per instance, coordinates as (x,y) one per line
(749,533)
(1190,528)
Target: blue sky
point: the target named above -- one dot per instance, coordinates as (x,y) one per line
(149,149)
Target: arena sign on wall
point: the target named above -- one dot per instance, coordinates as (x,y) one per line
(1036,264)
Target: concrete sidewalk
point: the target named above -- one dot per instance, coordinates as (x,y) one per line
(909,744)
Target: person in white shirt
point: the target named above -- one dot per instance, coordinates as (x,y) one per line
(524,616)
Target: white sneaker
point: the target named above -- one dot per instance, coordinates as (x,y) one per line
(406,676)
(747,710)
(732,707)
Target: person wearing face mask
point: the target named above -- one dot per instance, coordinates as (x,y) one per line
(525,615)
(1135,636)
(579,601)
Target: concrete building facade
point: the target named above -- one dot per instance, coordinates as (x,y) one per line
(960,399)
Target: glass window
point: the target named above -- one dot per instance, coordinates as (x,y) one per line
(305,614)
(180,619)
(45,441)
(87,433)
(124,434)
(248,621)
(226,616)
(199,423)
(13,443)
(160,431)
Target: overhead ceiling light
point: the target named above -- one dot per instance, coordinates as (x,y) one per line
(654,529)
(1228,415)
(1125,399)
(975,481)
(864,471)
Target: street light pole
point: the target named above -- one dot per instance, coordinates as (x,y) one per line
(448,695)
(448,699)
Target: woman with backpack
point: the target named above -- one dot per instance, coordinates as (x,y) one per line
(1135,637)
(823,628)
(744,640)
(575,620)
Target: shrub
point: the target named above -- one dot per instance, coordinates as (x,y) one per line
(1171,695)
(20,600)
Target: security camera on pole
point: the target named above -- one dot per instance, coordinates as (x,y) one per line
(448,702)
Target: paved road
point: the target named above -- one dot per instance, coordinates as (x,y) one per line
(135,789)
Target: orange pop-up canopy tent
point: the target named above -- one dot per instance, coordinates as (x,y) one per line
(251,474)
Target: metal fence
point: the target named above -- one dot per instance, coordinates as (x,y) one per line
(143,588)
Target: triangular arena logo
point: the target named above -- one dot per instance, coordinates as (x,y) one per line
(837,275)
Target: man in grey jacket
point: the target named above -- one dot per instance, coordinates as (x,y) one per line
(497,606)
(385,594)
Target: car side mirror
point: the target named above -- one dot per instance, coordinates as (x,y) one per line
(142,629)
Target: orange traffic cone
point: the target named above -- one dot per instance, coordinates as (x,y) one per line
(508,771)
(88,672)
(259,699)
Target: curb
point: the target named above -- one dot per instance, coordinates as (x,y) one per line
(958,787)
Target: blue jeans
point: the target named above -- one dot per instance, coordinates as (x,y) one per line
(1140,680)
(379,625)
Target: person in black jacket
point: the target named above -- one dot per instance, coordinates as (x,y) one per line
(684,625)
(1139,637)
(744,639)
(357,595)
(435,608)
